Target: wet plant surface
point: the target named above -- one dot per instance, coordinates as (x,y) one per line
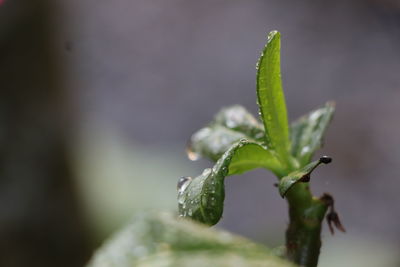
(237,142)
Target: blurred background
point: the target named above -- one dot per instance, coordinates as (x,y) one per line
(98,99)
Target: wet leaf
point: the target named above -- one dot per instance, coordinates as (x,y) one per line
(202,198)
(162,240)
(212,142)
(237,118)
(271,99)
(307,132)
(230,125)
(301,175)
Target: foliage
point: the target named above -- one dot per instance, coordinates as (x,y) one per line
(163,240)
(237,142)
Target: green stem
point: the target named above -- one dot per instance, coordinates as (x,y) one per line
(303,241)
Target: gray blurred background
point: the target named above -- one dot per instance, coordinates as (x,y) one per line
(98,99)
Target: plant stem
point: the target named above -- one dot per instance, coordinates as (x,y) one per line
(306,213)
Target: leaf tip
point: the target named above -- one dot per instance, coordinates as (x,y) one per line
(325,159)
(273,35)
(283,191)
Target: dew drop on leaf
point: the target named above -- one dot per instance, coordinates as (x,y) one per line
(183,182)
(305,150)
(193,156)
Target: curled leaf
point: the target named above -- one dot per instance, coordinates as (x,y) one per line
(302,175)
(332,217)
(307,132)
(202,198)
(333,220)
(230,125)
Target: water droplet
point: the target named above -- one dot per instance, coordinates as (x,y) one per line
(183,182)
(193,156)
(305,150)
(224,171)
(271,35)
(212,201)
(181,198)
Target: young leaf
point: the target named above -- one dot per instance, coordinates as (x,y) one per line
(163,240)
(230,125)
(271,99)
(212,142)
(202,198)
(237,118)
(302,175)
(307,132)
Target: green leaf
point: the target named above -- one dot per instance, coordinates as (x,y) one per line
(271,99)
(302,175)
(162,240)
(307,132)
(212,142)
(202,198)
(237,118)
(230,125)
